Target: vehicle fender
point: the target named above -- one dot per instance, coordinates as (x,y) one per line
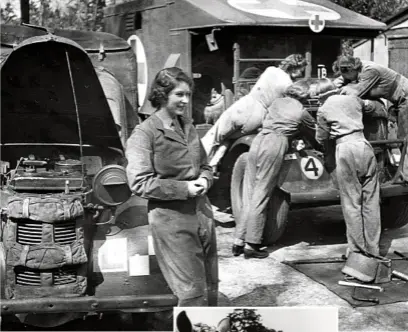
(244,140)
(123,257)
(304,172)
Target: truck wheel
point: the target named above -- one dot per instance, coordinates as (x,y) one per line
(237,183)
(278,210)
(394,212)
(278,207)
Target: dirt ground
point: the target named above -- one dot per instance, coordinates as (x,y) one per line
(313,233)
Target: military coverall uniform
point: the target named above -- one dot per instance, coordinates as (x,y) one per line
(340,119)
(265,158)
(246,114)
(376,81)
(160,162)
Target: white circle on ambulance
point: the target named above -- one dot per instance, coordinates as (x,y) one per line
(285,9)
(316,23)
(311,167)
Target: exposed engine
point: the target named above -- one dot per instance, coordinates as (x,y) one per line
(47,219)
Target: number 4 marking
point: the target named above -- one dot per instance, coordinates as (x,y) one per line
(311,167)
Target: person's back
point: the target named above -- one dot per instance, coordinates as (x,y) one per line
(343,113)
(341,119)
(271,84)
(284,116)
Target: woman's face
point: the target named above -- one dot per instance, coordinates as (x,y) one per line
(178,99)
(348,73)
(297,72)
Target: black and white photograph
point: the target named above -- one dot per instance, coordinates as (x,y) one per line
(218,155)
(277,319)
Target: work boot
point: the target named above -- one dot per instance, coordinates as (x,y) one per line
(237,250)
(254,251)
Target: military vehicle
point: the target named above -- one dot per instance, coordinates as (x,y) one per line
(74,242)
(216,41)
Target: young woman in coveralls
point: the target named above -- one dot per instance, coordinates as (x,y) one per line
(168,166)
(373,81)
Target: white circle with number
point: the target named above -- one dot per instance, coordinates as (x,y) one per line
(311,167)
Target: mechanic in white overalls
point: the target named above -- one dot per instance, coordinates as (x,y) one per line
(246,115)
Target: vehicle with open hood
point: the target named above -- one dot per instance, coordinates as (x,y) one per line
(216,42)
(73,240)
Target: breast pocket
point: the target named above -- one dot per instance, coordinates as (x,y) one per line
(170,157)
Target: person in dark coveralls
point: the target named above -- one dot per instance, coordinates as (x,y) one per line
(284,118)
(340,119)
(168,166)
(373,81)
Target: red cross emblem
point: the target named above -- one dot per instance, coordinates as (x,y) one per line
(316,23)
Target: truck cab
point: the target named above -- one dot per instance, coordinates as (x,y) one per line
(224,45)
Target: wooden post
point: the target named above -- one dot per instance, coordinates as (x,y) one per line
(25,11)
(308,71)
(372,50)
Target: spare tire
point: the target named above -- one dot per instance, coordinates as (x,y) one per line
(394,212)
(278,206)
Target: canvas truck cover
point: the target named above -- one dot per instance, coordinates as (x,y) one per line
(50,93)
(192,14)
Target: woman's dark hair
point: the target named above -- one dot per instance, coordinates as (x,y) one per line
(299,90)
(347,61)
(309,88)
(164,82)
(293,62)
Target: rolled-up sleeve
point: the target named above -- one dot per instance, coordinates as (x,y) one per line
(323,128)
(308,128)
(368,78)
(142,178)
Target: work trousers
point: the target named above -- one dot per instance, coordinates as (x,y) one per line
(357,177)
(185,244)
(242,117)
(264,163)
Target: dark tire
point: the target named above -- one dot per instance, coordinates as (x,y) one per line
(278,210)
(278,207)
(237,183)
(394,212)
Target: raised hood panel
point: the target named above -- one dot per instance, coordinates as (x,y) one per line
(50,93)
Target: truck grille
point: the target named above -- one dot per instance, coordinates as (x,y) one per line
(30,233)
(65,233)
(63,276)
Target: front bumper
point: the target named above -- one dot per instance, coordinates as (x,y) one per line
(88,304)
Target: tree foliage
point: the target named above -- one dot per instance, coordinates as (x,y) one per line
(88,14)
(247,320)
(63,14)
(376,9)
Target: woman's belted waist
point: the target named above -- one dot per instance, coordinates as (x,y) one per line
(354,136)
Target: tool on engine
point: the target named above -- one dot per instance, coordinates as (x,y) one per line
(319,260)
(403,257)
(400,275)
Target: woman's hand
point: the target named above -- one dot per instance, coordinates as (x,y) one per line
(197,187)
